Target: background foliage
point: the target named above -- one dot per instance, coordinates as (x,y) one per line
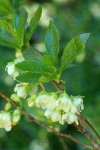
(72,17)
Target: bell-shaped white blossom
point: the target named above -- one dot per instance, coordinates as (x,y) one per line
(73,109)
(56,116)
(25,89)
(46,101)
(78,103)
(5,120)
(64,103)
(53,114)
(70,118)
(11,70)
(48,113)
(22,90)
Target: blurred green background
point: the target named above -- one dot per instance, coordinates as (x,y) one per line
(72,17)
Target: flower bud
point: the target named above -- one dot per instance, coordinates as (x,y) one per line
(16,115)
(18,54)
(15,98)
(7,106)
(31,100)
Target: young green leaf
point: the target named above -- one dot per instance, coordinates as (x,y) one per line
(32,25)
(28,77)
(52,40)
(5,8)
(30,66)
(32,54)
(8,38)
(49,61)
(19,23)
(73,48)
(34,67)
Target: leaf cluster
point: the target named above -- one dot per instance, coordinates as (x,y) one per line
(15,32)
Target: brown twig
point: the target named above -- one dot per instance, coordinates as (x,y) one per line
(42,86)
(91,127)
(45,126)
(55,85)
(88,134)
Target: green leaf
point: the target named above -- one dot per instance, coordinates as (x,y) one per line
(5,25)
(5,8)
(33,24)
(8,38)
(28,77)
(73,48)
(33,67)
(30,66)
(32,54)
(49,61)
(12,33)
(19,23)
(52,40)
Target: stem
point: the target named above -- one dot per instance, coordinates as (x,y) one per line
(88,134)
(91,127)
(55,85)
(45,126)
(42,86)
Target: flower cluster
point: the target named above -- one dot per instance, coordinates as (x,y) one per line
(62,108)
(7,119)
(58,107)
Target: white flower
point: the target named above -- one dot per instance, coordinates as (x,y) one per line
(5,120)
(55,116)
(63,103)
(11,69)
(22,90)
(48,113)
(73,109)
(70,118)
(46,101)
(78,103)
